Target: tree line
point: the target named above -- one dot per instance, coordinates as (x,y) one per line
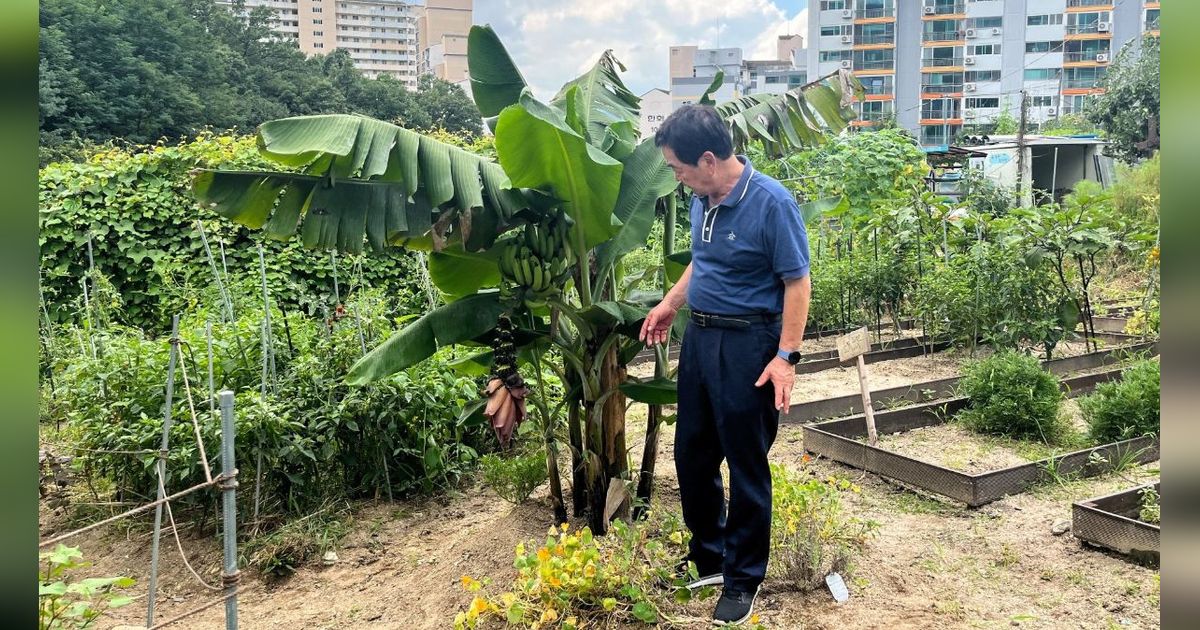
(141,70)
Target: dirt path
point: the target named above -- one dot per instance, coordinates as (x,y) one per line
(934,564)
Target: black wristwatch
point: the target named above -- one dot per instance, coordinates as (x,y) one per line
(792,357)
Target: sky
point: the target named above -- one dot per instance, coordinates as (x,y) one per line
(554,41)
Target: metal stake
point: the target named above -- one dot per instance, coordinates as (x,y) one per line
(269,344)
(229,509)
(162,470)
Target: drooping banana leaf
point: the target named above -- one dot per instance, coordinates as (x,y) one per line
(538,149)
(795,119)
(363,179)
(452,323)
(718,80)
(606,98)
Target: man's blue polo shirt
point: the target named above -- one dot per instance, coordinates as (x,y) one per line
(746,247)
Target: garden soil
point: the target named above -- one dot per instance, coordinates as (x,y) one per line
(933,564)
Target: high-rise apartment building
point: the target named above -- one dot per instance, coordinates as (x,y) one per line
(381,35)
(442,29)
(937,65)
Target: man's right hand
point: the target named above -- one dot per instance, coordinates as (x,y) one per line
(656,329)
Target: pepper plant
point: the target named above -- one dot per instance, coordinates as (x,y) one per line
(527,248)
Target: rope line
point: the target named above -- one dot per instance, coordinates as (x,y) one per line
(187,388)
(137,510)
(201,608)
(178,544)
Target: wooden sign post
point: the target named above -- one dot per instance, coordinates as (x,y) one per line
(855,345)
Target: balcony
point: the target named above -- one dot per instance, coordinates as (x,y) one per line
(941,88)
(1082,84)
(942,36)
(948,9)
(1083,56)
(866,14)
(940,62)
(887,38)
(875,116)
(1086,29)
(874,64)
(1088,3)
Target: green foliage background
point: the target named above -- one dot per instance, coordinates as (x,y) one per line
(136,205)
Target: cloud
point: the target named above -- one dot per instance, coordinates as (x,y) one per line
(553,41)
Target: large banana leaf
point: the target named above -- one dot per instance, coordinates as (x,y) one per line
(799,118)
(495,81)
(538,149)
(452,323)
(645,178)
(607,101)
(361,178)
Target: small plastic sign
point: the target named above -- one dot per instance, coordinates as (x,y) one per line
(837,587)
(853,344)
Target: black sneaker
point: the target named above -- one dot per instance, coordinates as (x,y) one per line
(706,576)
(734,607)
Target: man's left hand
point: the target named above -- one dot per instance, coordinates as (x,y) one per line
(781,374)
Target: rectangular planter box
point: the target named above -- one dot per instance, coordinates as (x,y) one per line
(944,388)
(839,440)
(1112,522)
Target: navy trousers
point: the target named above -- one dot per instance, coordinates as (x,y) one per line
(723,416)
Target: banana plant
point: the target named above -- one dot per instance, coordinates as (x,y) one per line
(528,249)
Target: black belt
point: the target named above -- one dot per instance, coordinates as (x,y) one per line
(709,320)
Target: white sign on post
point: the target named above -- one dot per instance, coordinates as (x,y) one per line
(854,345)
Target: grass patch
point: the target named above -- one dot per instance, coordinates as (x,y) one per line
(280,552)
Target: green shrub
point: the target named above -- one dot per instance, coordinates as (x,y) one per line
(66,602)
(1150,510)
(1126,408)
(1010,394)
(811,535)
(318,438)
(514,477)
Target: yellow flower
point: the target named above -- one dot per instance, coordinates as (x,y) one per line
(676,537)
(565,527)
(479,605)
(520,549)
(470,583)
(543,554)
(754,619)
(549,615)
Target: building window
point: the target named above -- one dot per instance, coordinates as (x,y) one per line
(1044,20)
(318,45)
(1042,74)
(1152,19)
(318,21)
(316,9)
(1043,47)
(983,49)
(834,31)
(979,76)
(833,5)
(985,22)
(318,33)
(983,102)
(773,79)
(1041,101)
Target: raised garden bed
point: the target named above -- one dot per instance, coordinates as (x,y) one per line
(839,440)
(943,388)
(1112,522)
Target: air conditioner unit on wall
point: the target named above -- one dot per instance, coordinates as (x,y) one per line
(846,39)
(847,64)
(971,33)
(995,30)
(1102,58)
(847,14)
(1103,27)
(970,61)
(1051,111)
(970,113)
(929,10)
(968,87)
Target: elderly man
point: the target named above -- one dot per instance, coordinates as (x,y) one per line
(748,290)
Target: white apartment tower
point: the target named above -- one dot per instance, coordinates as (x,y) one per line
(937,65)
